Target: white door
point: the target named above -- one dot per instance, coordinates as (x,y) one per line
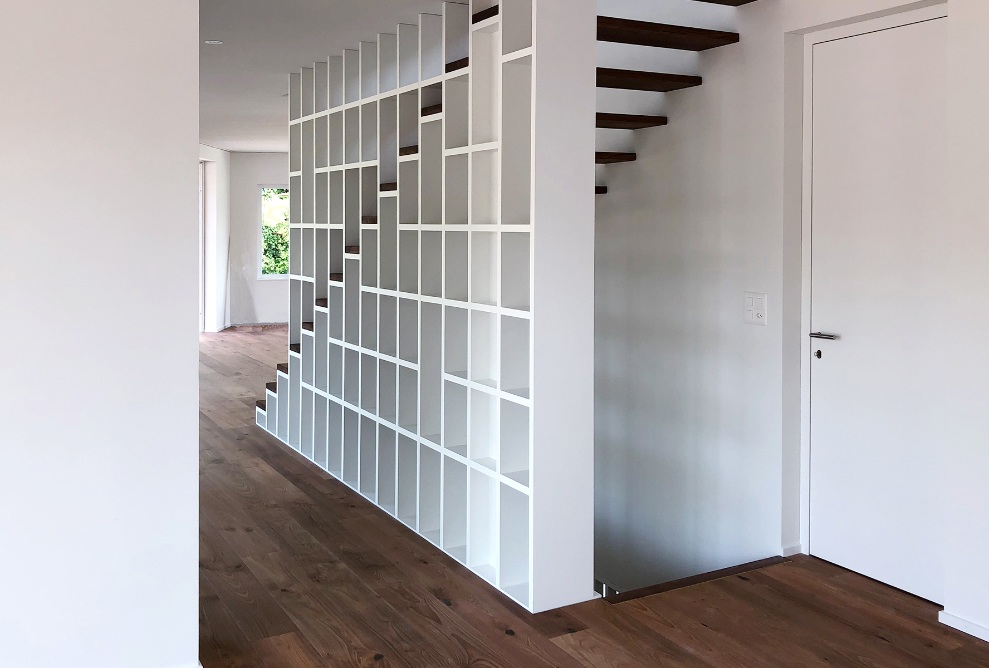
(879,132)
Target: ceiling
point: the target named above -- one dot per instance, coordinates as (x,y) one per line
(243,83)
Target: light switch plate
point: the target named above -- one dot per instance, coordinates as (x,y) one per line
(756,308)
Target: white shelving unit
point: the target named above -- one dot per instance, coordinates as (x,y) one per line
(415,372)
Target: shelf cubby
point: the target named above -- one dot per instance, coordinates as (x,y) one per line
(431,103)
(369,321)
(388,137)
(283,414)
(369,458)
(456,33)
(337,145)
(352,301)
(369,132)
(484,348)
(388,391)
(322,140)
(515,346)
(369,69)
(457,195)
(352,136)
(352,207)
(294,401)
(455,477)
(388,243)
(351,447)
(456,266)
(335,81)
(457,106)
(408,54)
(388,326)
(514,546)
(485,62)
(430,493)
(408,258)
(336,370)
(387,469)
(334,443)
(307,425)
(456,348)
(369,383)
(456,399)
(295,256)
(484,445)
(369,258)
(515,271)
(351,376)
(308,90)
(484,188)
(515,442)
(482,549)
(295,311)
(431,372)
(321,90)
(295,201)
(408,482)
(335,204)
(516,149)
(431,175)
(432,264)
(336,312)
(320,363)
(484,268)
(408,119)
(516,25)
(320,433)
(351,75)
(408,330)
(430,46)
(295,148)
(408,400)
(408,193)
(308,165)
(294,97)
(387,62)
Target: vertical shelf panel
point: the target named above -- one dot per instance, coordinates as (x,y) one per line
(485,61)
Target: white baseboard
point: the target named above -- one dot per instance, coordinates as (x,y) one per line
(963,625)
(794,549)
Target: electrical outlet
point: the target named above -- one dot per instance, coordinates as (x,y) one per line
(756,308)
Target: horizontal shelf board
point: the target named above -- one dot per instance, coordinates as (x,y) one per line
(658,82)
(646,33)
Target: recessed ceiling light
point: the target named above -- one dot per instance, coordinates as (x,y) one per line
(214,42)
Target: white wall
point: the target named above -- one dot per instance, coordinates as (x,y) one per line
(967,472)
(697,444)
(252,299)
(98,488)
(217,237)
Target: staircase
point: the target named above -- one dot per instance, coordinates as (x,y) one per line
(625,92)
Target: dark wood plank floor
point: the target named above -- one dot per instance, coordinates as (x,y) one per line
(297,571)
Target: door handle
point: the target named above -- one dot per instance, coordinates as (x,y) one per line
(826,337)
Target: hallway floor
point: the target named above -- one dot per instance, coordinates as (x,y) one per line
(298,571)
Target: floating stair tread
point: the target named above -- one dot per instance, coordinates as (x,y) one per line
(629,121)
(612,157)
(409,150)
(389,187)
(432,109)
(309,326)
(600,190)
(272,387)
(729,3)
(485,14)
(352,250)
(336,278)
(282,368)
(658,82)
(295,348)
(646,33)
(262,404)
(369,220)
(323,303)
(457,65)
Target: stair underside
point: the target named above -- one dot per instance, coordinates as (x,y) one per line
(607,121)
(657,82)
(283,368)
(612,157)
(645,33)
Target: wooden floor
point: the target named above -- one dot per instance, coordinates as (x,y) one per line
(297,571)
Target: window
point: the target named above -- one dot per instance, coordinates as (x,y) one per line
(274,231)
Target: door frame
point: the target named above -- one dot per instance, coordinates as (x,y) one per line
(908,16)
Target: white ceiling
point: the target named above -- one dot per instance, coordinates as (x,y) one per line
(243,82)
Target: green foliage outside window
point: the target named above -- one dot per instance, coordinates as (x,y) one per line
(274,231)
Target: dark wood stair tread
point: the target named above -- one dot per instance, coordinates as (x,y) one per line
(432,109)
(658,82)
(295,348)
(272,387)
(600,190)
(323,303)
(457,65)
(409,150)
(730,3)
(485,14)
(262,404)
(389,187)
(645,33)
(369,220)
(612,157)
(352,250)
(282,368)
(309,326)
(629,121)
(336,278)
